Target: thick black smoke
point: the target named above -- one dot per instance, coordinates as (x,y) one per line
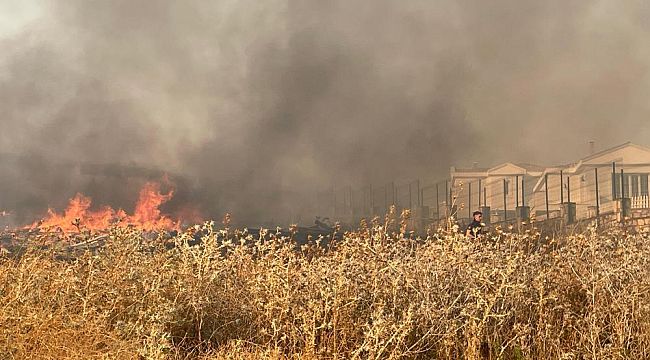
(254,106)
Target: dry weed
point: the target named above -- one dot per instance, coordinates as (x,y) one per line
(375,294)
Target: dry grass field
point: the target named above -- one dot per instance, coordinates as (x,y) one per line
(373,294)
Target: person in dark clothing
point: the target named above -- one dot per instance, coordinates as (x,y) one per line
(475,228)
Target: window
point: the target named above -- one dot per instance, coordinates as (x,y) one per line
(644,184)
(633,185)
(616,187)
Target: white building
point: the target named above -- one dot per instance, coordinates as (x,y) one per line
(506,186)
(503,187)
(578,183)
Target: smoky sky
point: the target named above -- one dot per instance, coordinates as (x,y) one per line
(254,106)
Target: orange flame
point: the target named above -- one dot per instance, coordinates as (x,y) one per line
(147,215)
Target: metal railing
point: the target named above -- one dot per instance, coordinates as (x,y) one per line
(640,202)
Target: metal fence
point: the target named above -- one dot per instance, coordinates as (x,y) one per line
(587,192)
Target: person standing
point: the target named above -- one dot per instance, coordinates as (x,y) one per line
(475,228)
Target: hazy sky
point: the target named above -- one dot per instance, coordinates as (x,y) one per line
(257,104)
(16,15)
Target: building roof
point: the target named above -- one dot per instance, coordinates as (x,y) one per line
(576,167)
(614,149)
(530,167)
(472,170)
(511,169)
(505,169)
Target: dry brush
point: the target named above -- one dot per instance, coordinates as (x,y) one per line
(372,294)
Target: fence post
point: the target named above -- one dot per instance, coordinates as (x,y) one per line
(422,197)
(597,198)
(505,202)
(371,200)
(546,190)
(437,202)
(561,187)
(614,189)
(469,198)
(447,198)
(351,201)
(517,190)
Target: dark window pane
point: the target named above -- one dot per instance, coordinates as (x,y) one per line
(616,188)
(644,185)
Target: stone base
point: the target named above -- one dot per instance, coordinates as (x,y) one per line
(623,208)
(523,213)
(568,212)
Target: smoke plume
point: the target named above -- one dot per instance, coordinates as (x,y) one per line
(253,107)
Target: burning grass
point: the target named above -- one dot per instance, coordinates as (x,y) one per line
(146,216)
(371,295)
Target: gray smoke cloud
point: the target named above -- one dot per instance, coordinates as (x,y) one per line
(254,106)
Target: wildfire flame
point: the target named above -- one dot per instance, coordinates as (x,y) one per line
(147,215)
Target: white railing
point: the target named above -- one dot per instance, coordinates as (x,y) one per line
(641,202)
